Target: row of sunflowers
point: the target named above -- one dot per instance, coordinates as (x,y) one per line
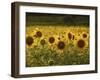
(57,45)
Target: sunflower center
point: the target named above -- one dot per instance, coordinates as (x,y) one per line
(42,42)
(51,39)
(38,34)
(81,43)
(84,35)
(29,40)
(58,38)
(61,45)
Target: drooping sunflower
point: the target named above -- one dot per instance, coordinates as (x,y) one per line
(71,36)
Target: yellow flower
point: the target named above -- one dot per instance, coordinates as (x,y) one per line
(81,43)
(70,36)
(61,45)
(51,40)
(29,42)
(38,34)
(85,35)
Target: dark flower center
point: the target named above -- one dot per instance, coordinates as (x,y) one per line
(51,39)
(61,45)
(58,38)
(81,43)
(84,35)
(29,40)
(42,42)
(38,34)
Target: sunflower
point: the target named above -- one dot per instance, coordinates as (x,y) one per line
(82,46)
(38,34)
(84,35)
(81,43)
(42,42)
(71,36)
(61,45)
(51,40)
(29,41)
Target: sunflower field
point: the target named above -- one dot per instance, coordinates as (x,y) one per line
(53,45)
